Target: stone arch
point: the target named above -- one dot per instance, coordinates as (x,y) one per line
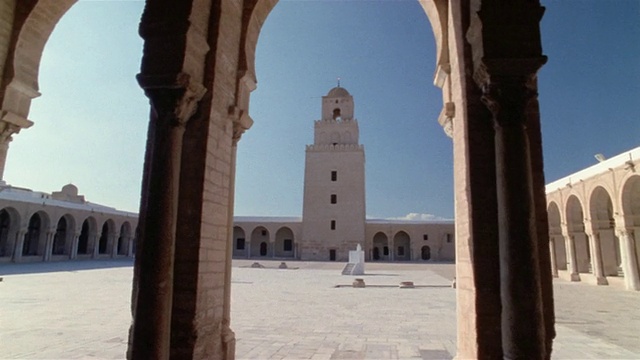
(402,246)
(33,33)
(630,205)
(240,246)
(576,231)
(124,239)
(603,226)
(380,242)
(35,239)
(86,240)
(556,239)
(106,237)
(63,237)
(260,242)
(9,229)
(630,200)
(285,243)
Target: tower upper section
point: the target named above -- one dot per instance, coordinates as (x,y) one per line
(337,126)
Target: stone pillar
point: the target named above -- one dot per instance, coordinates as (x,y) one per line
(96,244)
(130,240)
(629,260)
(505,68)
(554,263)
(17,250)
(507,93)
(74,246)
(572,262)
(114,244)
(596,253)
(48,245)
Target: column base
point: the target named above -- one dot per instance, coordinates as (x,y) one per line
(228,343)
(575,277)
(602,281)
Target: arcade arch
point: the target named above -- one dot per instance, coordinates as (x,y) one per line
(603,227)
(380,249)
(86,240)
(402,246)
(577,235)
(240,247)
(285,243)
(260,242)
(63,237)
(556,238)
(125,239)
(35,239)
(9,230)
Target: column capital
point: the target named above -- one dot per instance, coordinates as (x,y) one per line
(241,122)
(11,123)
(176,94)
(622,232)
(508,86)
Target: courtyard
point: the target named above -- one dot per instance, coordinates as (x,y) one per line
(81,310)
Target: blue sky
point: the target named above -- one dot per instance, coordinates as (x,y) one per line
(91,120)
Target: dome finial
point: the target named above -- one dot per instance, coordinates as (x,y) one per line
(338,81)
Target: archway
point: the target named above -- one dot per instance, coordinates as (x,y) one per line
(285,242)
(402,246)
(575,227)
(630,195)
(9,226)
(124,240)
(86,240)
(106,237)
(556,239)
(260,242)
(36,236)
(239,242)
(380,243)
(63,236)
(603,223)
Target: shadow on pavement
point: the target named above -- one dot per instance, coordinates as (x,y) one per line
(47,267)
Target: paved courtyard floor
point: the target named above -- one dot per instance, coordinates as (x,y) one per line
(81,310)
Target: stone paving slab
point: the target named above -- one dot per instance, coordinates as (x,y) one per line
(81,310)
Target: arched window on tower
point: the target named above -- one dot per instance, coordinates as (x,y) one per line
(336,114)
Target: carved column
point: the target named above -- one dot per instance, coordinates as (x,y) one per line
(629,259)
(74,246)
(554,260)
(572,265)
(48,245)
(171,109)
(596,253)
(17,250)
(508,87)
(114,244)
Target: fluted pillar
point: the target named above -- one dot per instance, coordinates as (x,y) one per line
(572,259)
(595,249)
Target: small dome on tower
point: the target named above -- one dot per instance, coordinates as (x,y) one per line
(338,92)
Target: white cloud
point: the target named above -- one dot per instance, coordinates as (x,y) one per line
(419,217)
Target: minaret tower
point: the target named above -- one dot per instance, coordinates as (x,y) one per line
(333,214)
